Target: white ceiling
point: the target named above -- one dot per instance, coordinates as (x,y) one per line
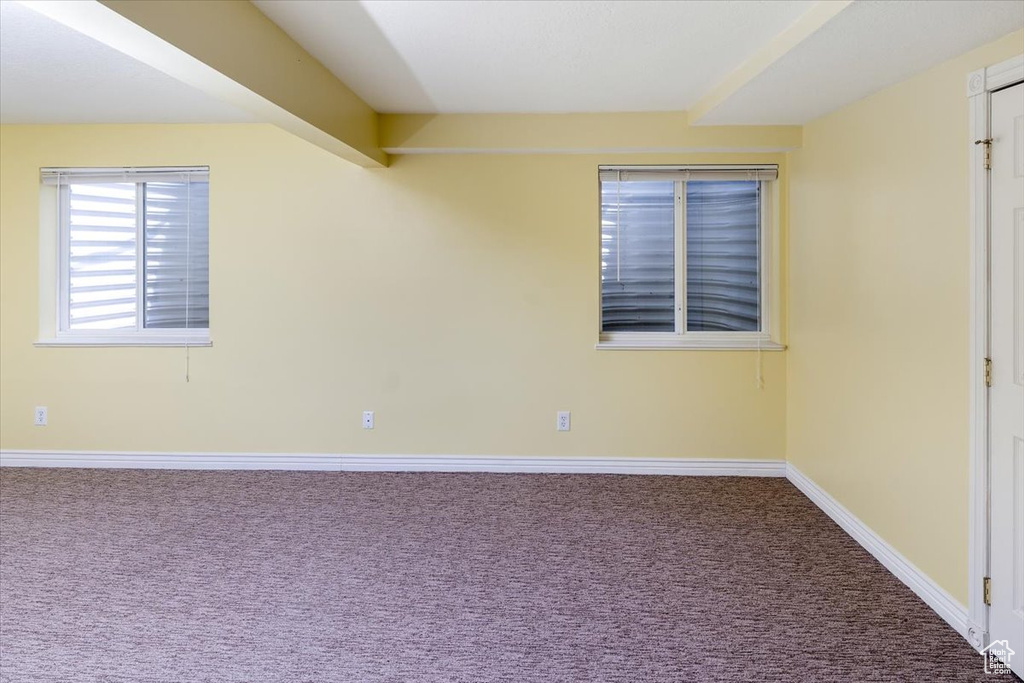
(531,55)
(52,74)
(868,46)
(451,56)
(429,56)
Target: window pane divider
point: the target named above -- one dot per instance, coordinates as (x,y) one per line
(140,255)
(64,255)
(680,254)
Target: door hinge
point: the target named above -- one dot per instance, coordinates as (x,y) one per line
(988,372)
(988,152)
(987,590)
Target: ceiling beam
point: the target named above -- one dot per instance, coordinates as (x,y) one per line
(233,52)
(636,132)
(808,23)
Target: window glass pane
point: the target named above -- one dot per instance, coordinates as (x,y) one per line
(638,256)
(723,256)
(101,257)
(177,258)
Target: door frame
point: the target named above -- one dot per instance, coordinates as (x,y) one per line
(980,85)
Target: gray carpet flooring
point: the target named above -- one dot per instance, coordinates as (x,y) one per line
(138,576)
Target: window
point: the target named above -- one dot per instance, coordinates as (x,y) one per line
(685,256)
(132,250)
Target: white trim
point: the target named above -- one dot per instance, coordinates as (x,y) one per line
(944,604)
(978,484)
(996,76)
(980,85)
(715,341)
(332,462)
(540,464)
(171,461)
(131,339)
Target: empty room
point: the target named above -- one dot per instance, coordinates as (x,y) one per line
(519,341)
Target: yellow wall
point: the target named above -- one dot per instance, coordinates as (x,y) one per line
(878,316)
(457,296)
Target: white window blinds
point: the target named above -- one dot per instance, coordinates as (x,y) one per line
(638,256)
(681,249)
(177,254)
(134,248)
(722,256)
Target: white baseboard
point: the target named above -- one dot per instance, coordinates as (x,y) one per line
(933,595)
(465,463)
(392,463)
(172,461)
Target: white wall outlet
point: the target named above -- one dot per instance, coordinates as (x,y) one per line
(41,416)
(367,419)
(564,420)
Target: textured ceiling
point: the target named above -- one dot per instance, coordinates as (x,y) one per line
(52,74)
(529,56)
(870,45)
(499,56)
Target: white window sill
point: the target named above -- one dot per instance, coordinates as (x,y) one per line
(127,340)
(693,341)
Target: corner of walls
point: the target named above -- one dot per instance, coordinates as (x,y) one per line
(877,369)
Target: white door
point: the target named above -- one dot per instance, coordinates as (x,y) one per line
(1006,397)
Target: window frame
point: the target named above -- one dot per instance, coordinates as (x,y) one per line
(762,340)
(54,271)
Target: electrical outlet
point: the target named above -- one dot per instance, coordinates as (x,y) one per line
(564,420)
(367,419)
(41,416)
